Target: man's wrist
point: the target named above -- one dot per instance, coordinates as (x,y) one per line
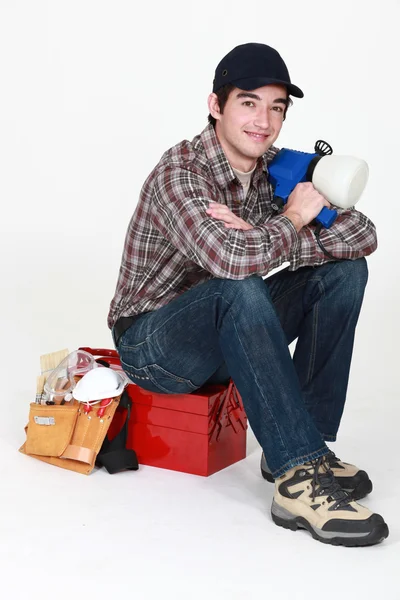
(295,218)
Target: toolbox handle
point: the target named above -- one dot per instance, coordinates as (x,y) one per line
(101,352)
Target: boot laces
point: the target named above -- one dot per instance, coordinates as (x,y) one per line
(332,458)
(324,483)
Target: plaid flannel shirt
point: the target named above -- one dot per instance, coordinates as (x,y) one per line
(172,244)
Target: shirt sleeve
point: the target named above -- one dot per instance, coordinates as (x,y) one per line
(351,236)
(180,200)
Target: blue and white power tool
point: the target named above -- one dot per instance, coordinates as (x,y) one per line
(340,179)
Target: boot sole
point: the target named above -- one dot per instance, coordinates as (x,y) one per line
(360,491)
(284,518)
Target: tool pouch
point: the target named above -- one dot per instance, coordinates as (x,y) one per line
(67,437)
(50,429)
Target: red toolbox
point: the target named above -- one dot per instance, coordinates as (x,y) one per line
(199,433)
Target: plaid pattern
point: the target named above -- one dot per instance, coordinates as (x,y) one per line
(172,244)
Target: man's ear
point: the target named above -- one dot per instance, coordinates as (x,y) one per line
(213,106)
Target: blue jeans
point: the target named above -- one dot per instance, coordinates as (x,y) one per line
(242,329)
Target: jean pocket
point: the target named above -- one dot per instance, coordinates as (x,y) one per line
(136,375)
(156,379)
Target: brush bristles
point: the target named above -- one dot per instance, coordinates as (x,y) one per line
(48,362)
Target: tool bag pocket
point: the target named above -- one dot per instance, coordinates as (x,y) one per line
(50,429)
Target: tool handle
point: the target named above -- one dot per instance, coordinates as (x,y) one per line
(326,217)
(100,351)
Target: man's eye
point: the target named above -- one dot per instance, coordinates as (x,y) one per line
(248,103)
(278,108)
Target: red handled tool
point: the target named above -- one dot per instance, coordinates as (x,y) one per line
(103,405)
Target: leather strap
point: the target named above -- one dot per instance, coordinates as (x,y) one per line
(114,456)
(123,325)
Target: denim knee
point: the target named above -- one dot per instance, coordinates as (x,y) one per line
(250,296)
(249,291)
(354,276)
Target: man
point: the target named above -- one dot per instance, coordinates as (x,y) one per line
(191,305)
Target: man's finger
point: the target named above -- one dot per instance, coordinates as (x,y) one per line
(224,217)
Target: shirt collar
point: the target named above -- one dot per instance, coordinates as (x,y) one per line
(220,166)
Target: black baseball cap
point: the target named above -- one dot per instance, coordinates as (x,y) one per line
(251,66)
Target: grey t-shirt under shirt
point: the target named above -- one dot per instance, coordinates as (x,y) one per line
(244,178)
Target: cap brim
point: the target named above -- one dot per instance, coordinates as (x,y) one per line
(256,82)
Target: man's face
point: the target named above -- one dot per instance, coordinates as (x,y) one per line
(250,123)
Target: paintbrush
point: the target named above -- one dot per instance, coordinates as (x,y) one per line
(39,388)
(48,362)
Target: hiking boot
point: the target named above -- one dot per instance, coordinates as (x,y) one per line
(309,497)
(351,478)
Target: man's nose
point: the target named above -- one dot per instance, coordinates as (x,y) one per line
(262,119)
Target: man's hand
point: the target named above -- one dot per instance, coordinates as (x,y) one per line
(222,213)
(304,204)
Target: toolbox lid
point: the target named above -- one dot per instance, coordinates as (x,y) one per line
(199,402)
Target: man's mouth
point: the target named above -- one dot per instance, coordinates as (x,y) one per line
(258,137)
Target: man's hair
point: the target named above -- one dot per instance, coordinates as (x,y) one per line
(223,94)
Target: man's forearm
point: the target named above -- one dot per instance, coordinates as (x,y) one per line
(352,236)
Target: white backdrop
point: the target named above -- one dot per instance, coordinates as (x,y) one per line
(94,91)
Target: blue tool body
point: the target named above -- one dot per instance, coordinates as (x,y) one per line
(286,170)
